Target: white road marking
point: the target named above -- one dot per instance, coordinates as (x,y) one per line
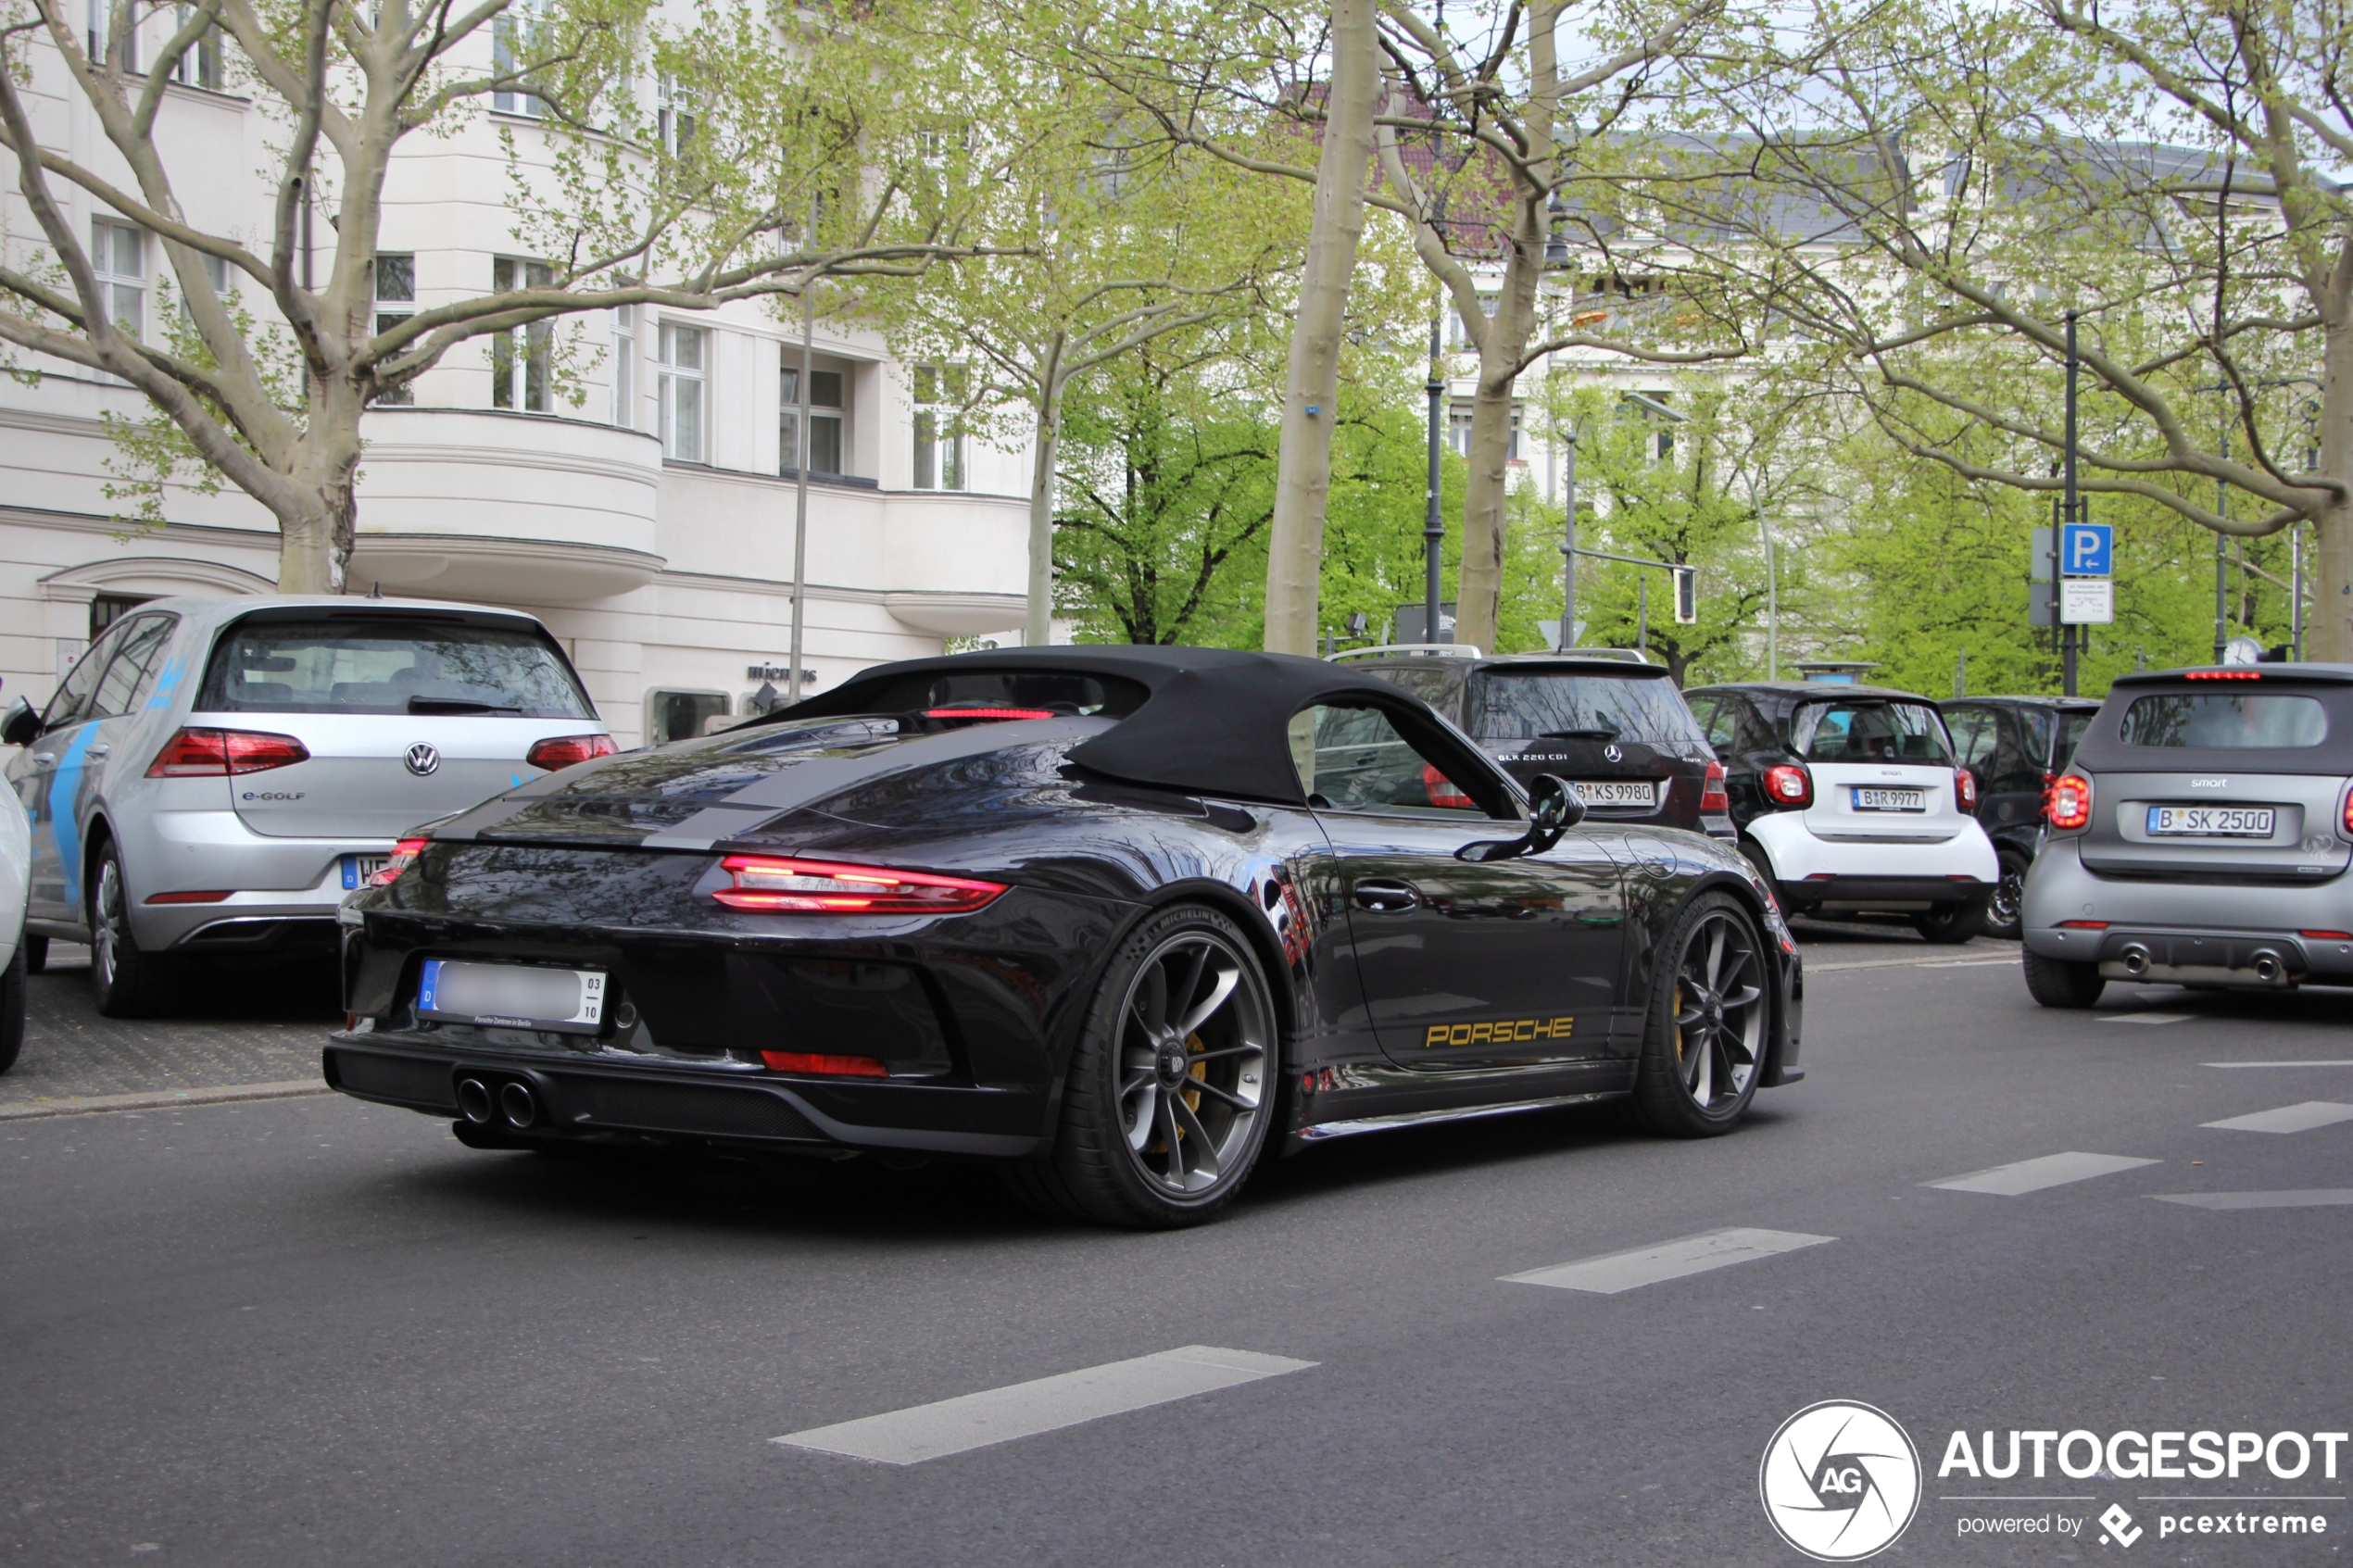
(2148,1018)
(2330,1061)
(2033,1175)
(1614,1272)
(1046,1404)
(2315,1198)
(2300,1118)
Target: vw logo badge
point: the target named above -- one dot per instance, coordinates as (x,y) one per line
(1840,1481)
(424,758)
(1613,753)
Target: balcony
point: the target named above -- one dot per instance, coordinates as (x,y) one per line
(510,508)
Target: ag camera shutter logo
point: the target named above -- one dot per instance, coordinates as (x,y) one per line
(1840,1481)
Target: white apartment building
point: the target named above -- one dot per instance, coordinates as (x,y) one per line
(650,523)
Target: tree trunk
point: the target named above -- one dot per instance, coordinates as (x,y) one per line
(1037,624)
(1304,464)
(1485,490)
(2329,638)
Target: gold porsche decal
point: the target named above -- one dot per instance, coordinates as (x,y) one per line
(1500,1031)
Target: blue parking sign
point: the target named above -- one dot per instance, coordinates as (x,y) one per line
(2088,551)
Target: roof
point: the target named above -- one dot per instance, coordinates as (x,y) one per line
(2030,699)
(1215,721)
(1821,691)
(1585,663)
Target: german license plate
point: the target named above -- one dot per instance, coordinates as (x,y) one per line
(1891,800)
(357,869)
(2212,822)
(1619,791)
(512,995)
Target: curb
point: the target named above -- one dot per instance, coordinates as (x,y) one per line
(87,1105)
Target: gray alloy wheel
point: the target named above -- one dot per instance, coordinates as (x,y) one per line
(12,1004)
(2005,916)
(1709,1021)
(125,979)
(1171,1089)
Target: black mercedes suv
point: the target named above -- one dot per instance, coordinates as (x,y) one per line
(2017,747)
(1616,728)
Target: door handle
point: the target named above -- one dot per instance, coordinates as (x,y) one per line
(1385,898)
(44,757)
(102,750)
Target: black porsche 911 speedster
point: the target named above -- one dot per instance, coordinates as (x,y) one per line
(1110,917)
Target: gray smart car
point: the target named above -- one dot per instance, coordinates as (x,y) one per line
(215,774)
(2200,836)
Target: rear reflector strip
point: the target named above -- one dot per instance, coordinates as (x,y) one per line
(2328,936)
(824,1066)
(2085,924)
(187,898)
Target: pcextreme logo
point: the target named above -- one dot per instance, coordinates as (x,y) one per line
(1840,1481)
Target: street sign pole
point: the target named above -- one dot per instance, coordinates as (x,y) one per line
(2068,636)
(1433,525)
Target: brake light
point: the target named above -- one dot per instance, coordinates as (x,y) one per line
(828,1066)
(1965,789)
(2348,815)
(819,887)
(404,855)
(2221,675)
(2068,803)
(1786,784)
(991,714)
(1443,791)
(1711,790)
(218,753)
(562,751)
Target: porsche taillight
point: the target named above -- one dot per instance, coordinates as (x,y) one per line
(217,753)
(1786,784)
(404,855)
(2068,803)
(1712,796)
(784,885)
(1965,789)
(562,751)
(1443,791)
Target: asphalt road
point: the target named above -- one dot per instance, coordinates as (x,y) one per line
(310,1331)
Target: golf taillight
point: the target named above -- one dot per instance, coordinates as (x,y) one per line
(1786,784)
(821,887)
(1712,796)
(1443,791)
(2068,803)
(404,855)
(217,753)
(562,751)
(1965,789)
(822,1065)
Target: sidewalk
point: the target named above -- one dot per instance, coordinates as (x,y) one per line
(256,1028)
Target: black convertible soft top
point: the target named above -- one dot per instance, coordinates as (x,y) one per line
(1214,720)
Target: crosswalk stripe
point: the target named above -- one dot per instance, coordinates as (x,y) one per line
(2315,1198)
(2326,1061)
(1045,1404)
(2033,1175)
(1614,1272)
(2299,1117)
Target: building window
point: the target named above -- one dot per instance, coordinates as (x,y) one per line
(625,366)
(940,433)
(513,43)
(119,257)
(679,363)
(521,356)
(395,301)
(102,27)
(107,608)
(674,115)
(200,67)
(681,715)
(1458,430)
(827,438)
(216,271)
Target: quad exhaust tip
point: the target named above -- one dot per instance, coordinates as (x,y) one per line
(518,1105)
(475,1103)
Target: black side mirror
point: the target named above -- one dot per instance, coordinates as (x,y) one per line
(1554,808)
(22,725)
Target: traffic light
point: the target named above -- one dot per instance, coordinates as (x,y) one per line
(1686,596)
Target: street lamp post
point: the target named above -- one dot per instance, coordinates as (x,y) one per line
(1433,525)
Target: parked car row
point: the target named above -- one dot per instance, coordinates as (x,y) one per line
(214,775)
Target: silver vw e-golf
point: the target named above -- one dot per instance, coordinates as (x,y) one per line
(215,774)
(2201,835)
